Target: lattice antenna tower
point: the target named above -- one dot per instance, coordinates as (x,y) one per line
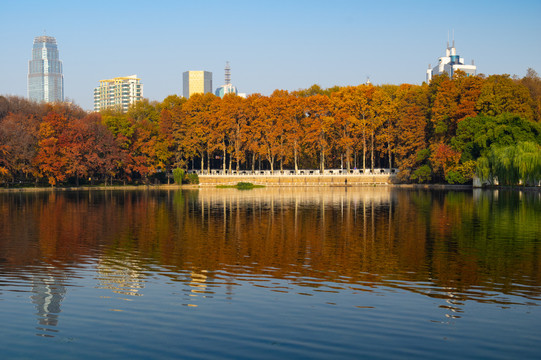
(227,73)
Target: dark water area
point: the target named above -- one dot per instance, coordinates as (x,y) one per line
(301,273)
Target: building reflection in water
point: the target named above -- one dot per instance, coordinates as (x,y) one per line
(48,292)
(198,282)
(123,277)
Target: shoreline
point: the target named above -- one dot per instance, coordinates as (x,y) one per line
(209,186)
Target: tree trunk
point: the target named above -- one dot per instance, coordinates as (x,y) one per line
(390,157)
(238,162)
(372,152)
(202,163)
(295,156)
(223,162)
(364,152)
(322,162)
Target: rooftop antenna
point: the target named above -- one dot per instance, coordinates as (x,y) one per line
(227,73)
(368,80)
(453,37)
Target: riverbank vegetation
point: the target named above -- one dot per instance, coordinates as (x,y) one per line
(445,131)
(240,186)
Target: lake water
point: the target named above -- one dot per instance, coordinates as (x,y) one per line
(270,273)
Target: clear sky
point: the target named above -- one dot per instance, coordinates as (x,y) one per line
(270,44)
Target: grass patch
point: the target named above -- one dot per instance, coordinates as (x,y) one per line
(240,186)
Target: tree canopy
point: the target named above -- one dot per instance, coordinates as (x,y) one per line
(439,132)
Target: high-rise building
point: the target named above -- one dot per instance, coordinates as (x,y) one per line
(227,88)
(196,82)
(45,79)
(118,93)
(449,64)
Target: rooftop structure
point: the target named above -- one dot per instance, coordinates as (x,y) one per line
(449,64)
(227,88)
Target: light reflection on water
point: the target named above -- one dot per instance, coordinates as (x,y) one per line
(271,273)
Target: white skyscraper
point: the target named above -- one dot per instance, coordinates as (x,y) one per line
(45,79)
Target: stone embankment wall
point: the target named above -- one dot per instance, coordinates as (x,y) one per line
(299,180)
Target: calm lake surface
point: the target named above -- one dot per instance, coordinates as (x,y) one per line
(270,273)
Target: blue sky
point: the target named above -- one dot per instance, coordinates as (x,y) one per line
(270,44)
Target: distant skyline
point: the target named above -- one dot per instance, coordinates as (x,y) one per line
(270,44)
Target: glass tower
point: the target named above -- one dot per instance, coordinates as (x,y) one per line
(45,79)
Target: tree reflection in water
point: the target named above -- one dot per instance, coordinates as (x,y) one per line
(453,245)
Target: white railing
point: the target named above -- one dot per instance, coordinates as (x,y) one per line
(303,172)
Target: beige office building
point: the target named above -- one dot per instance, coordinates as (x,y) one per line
(196,82)
(118,93)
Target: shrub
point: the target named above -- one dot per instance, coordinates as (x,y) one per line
(462,174)
(244,186)
(192,179)
(454,177)
(240,186)
(422,174)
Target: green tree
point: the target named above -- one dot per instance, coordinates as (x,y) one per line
(512,165)
(476,135)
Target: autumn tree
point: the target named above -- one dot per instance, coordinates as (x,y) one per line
(294,127)
(319,124)
(500,94)
(455,100)
(269,128)
(123,131)
(381,106)
(387,132)
(345,105)
(234,118)
(532,82)
(193,128)
(18,139)
(443,159)
(253,135)
(49,158)
(411,128)
(170,121)
(107,159)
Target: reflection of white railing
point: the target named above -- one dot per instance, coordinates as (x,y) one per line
(333,172)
